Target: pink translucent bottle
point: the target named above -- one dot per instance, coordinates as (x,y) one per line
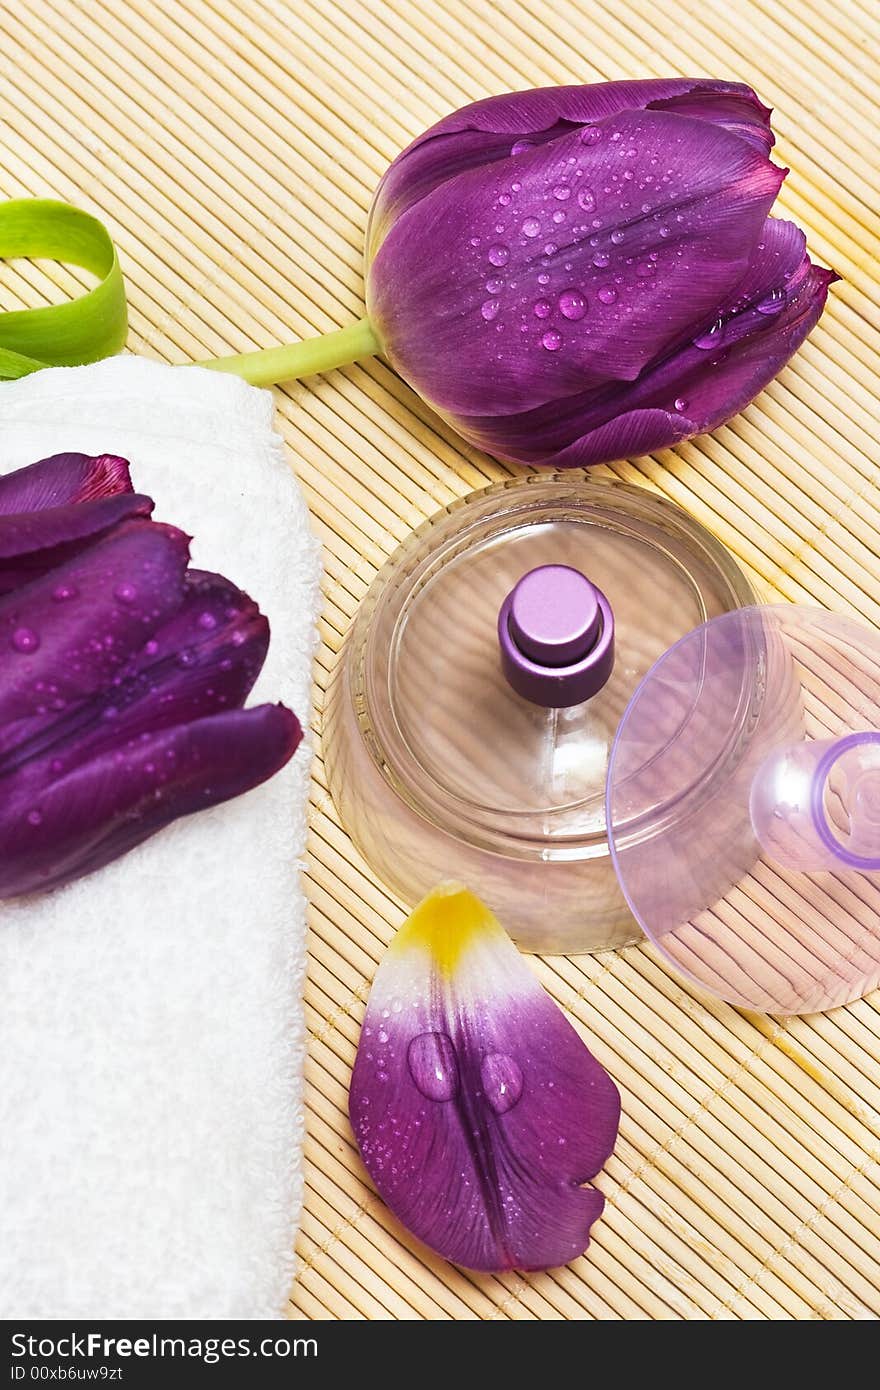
(472,710)
(744,801)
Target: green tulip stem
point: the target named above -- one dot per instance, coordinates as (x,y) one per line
(296,360)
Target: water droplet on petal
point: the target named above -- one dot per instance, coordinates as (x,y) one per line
(35,818)
(680,403)
(504,199)
(543,278)
(520,146)
(494,286)
(558,216)
(772,303)
(207,621)
(551,248)
(644,269)
(62,592)
(542,309)
(499,255)
(489,308)
(601,259)
(551,340)
(126,593)
(607,294)
(711,339)
(433,1065)
(562,191)
(590,134)
(25,640)
(617,236)
(587,199)
(531,227)
(572,304)
(502,1081)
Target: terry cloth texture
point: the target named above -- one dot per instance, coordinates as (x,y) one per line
(151,1029)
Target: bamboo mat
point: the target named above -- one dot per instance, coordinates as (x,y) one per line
(232,146)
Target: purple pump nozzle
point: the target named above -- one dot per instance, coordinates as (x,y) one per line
(556,632)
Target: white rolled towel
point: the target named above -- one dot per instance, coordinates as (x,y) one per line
(151,1029)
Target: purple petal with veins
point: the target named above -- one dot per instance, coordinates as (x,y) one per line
(51,510)
(478,1111)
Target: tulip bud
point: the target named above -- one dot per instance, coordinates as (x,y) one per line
(571,275)
(577,274)
(123,676)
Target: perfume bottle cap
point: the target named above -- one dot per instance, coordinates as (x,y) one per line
(556,633)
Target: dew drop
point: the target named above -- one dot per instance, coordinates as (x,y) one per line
(25,640)
(558,216)
(601,259)
(494,286)
(499,254)
(531,227)
(489,309)
(772,303)
(551,248)
(664,231)
(543,278)
(572,304)
(607,294)
(151,647)
(433,1065)
(587,199)
(562,192)
(502,1081)
(551,340)
(126,593)
(62,592)
(590,134)
(680,403)
(520,146)
(628,174)
(644,269)
(504,199)
(711,339)
(617,236)
(35,818)
(542,309)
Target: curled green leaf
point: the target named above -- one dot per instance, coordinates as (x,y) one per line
(85,329)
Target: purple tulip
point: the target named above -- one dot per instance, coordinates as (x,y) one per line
(478,1111)
(123,676)
(576,274)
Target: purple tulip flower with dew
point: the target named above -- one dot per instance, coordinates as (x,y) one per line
(123,676)
(572,275)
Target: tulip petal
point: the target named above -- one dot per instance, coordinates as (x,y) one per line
(63,480)
(57,827)
(71,632)
(679,203)
(486,130)
(477,1109)
(52,509)
(695,388)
